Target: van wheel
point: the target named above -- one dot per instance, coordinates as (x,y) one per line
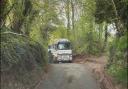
(70,61)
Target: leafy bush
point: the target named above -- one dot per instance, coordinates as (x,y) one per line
(118,54)
(119,73)
(22,60)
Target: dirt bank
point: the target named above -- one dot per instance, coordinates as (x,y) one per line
(98,67)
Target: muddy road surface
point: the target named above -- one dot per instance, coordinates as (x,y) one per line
(68,76)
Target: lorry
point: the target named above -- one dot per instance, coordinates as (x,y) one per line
(61,51)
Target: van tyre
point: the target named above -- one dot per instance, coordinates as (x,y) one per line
(70,61)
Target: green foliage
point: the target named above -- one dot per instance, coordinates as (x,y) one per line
(22,61)
(84,22)
(118,66)
(60,32)
(15,48)
(105,11)
(84,36)
(122,44)
(119,73)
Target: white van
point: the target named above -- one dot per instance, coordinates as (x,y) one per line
(62,51)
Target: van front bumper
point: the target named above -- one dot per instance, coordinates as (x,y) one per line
(64,58)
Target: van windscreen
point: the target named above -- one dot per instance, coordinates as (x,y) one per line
(63,46)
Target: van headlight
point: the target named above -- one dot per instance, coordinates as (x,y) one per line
(70,57)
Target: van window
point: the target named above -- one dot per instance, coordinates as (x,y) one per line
(63,46)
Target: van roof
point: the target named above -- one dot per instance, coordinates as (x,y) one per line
(63,40)
(60,40)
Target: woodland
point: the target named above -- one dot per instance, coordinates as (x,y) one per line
(27,27)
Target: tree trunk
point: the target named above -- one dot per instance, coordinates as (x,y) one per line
(72,5)
(2,9)
(68,16)
(117,21)
(18,22)
(105,38)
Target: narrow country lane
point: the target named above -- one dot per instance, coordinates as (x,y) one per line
(68,76)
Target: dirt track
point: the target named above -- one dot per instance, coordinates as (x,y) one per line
(68,76)
(98,65)
(83,73)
